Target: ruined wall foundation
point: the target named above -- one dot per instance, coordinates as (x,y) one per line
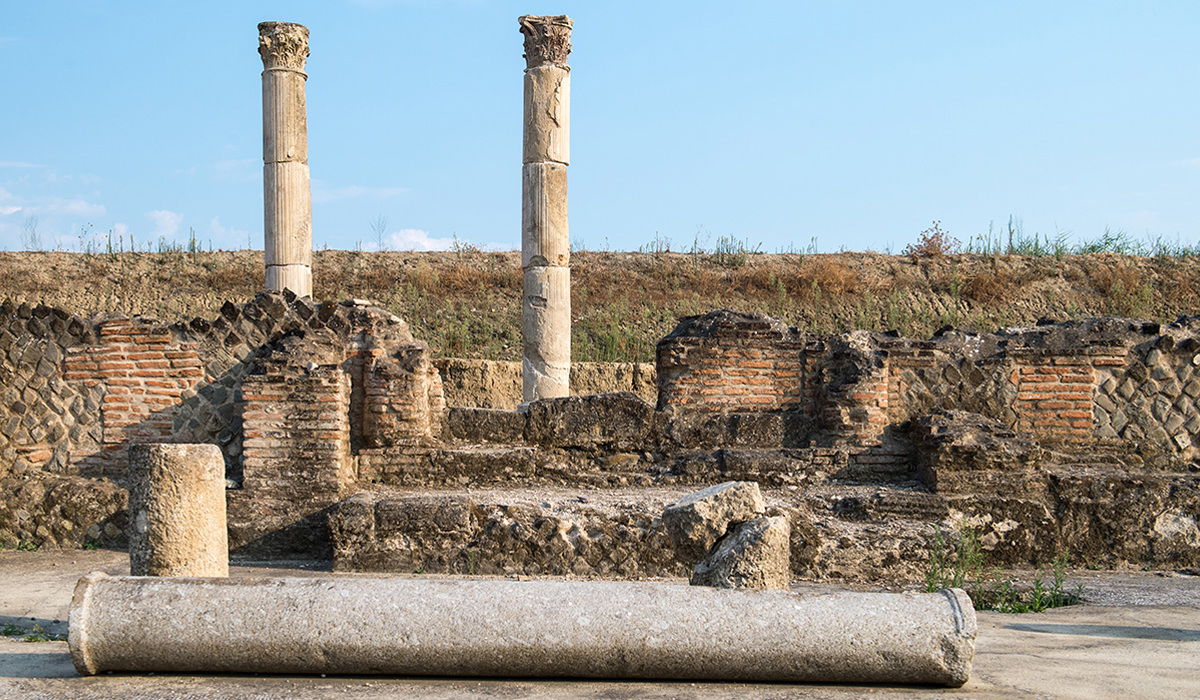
(339,441)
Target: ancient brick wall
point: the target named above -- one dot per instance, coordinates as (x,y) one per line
(1079,380)
(403,397)
(1054,395)
(296,457)
(145,373)
(727,361)
(310,402)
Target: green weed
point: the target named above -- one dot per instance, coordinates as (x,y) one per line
(1043,595)
(946,571)
(964,569)
(36,634)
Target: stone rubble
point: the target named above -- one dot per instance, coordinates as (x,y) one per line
(696,522)
(754,554)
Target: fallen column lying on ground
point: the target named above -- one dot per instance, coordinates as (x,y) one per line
(517,628)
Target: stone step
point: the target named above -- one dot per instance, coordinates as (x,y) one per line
(516,465)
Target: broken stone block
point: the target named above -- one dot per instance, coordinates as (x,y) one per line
(695,522)
(755,554)
(177,507)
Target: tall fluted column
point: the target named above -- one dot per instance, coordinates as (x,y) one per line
(545,245)
(287,200)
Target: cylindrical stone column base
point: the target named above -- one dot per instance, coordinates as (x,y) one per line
(546,333)
(517,628)
(177,511)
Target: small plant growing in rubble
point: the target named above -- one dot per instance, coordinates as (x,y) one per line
(941,572)
(933,242)
(965,570)
(1042,596)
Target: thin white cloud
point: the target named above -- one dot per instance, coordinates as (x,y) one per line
(416,239)
(166,223)
(320,193)
(79,207)
(9,210)
(236,169)
(55,206)
(18,164)
(227,236)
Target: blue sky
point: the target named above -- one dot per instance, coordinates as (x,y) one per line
(852,123)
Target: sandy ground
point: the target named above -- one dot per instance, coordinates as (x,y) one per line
(1137,635)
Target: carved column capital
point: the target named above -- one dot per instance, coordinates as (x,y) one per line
(283,45)
(547,39)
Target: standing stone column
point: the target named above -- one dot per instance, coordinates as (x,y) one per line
(287,200)
(177,510)
(545,245)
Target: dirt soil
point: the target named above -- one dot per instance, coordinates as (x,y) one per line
(467,303)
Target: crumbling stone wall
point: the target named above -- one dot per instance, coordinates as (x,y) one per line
(1079,380)
(44,414)
(1088,434)
(1150,395)
(497,384)
(77,393)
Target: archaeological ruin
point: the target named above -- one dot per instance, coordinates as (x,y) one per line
(545,243)
(343,439)
(339,442)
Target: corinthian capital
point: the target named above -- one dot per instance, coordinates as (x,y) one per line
(547,39)
(283,45)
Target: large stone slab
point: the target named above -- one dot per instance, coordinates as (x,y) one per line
(619,420)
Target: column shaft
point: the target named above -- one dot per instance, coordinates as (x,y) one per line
(593,629)
(545,241)
(177,510)
(287,199)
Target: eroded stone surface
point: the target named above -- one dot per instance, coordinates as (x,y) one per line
(177,511)
(695,523)
(518,628)
(754,554)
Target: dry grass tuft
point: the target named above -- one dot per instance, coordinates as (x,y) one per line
(933,242)
(825,277)
(988,286)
